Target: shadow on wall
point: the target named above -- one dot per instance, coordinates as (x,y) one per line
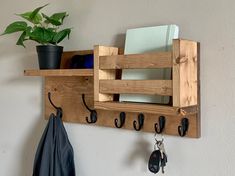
(119,40)
(30,146)
(13,61)
(18,59)
(141,151)
(31,143)
(9,49)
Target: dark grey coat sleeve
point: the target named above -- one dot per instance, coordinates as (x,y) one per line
(54,156)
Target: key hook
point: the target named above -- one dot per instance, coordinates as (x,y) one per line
(140,122)
(93,113)
(183,128)
(59,111)
(159,127)
(122,118)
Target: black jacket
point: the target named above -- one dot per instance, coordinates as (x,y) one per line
(54,156)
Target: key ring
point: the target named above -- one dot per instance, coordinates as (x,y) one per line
(157,141)
(155,137)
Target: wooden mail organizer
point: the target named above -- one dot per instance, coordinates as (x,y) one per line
(85,93)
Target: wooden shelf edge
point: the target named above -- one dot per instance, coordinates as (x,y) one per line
(146,108)
(60,72)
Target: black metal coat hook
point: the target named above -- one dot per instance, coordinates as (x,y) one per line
(122,118)
(159,127)
(183,128)
(58,109)
(140,122)
(49,97)
(93,113)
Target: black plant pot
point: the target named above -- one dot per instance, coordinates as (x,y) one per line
(49,56)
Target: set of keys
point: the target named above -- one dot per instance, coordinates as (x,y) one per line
(158,158)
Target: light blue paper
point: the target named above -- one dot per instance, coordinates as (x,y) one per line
(144,40)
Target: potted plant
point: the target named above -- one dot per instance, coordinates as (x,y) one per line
(44,30)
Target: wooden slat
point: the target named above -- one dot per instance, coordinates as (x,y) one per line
(106,119)
(145,108)
(185,81)
(171,125)
(132,61)
(148,87)
(102,74)
(59,72)
(198,117)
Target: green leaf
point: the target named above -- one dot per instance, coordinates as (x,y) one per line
(15,27)
(37,35)
(36,20)
(28,31)
(51,20)
(21,39)
(61,35)
(59,16)
(48,35)
(33,16)
(42,35)
(35,12)
(52,29)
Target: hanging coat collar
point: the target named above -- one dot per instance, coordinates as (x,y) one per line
(54,156)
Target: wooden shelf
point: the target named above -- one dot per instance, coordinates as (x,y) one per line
(146,108)
(101,85)
(59,72)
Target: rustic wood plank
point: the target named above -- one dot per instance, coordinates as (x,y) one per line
(102,74)
(106,118)
(145,108)
(66,92)
(59,72)
(198,117)
(133,61)
(184,73)
(176,73)
(148,87)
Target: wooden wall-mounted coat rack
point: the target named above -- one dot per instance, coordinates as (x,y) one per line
(88,95)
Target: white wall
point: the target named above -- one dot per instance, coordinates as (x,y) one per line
(104,151)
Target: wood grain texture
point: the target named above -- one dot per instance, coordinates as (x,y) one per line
(66,92)
(59,72)
(185,65)
(102,74)
(148,87)
(106,119)
(133,61)
(198,117)
(145,108)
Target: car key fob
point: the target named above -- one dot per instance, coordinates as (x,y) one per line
(154,161)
